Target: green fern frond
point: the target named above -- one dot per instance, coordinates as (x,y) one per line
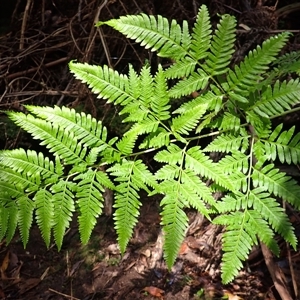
(90,200)
(143,178)
(185,37)
(135,112)
(25,217)
(194,190)
(243,228)
(103,81)
(272,180)
(201,102)
(133,176)
(172,155)
(93,155)
(156,139)
(127,210)
(127,143)
(21,181)
(237,161)
(9,190)
(87,129)
(134,81)
(167,172)
(261,125)
(196,160)
(277,99)
(8,209)
(147,87)
(228,121)
(237,242)
(232,202)
(201,35)
(263,231)
(270,210)
(160,98)
(44,213)
(259,154)
(155,33)
(174,221)
(181,68)
(244,77)
(53,137)
(4,215)
(111,155)
(288,63)
(216,102)
(199,45)
(233,108)
(12,224)
(282,145)
(63,201)
(31,163)
(154,99)
(8,217)
(222,47)
(188,121)
(228,143)
(207,120)
(197,81)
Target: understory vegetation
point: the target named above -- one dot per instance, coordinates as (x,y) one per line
(199,105)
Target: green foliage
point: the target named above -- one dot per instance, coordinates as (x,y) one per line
(232,113)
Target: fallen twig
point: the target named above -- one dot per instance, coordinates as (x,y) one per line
(276,274)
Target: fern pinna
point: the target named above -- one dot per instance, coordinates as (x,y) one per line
(234,106)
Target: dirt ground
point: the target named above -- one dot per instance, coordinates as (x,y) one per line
(37,41)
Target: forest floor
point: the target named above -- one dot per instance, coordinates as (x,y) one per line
(35,47)
(98,271)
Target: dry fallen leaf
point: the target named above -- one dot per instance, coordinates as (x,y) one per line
(29,284)
(154,291)
(4,266)
(231,296)
(184,248)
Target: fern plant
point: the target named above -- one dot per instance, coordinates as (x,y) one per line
(235,106)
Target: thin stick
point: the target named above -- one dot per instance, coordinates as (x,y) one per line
(24,21)
(62,294)
(43,13)
(100,32)
(26,72)
(294,280)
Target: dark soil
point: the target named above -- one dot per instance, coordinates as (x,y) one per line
(34,70)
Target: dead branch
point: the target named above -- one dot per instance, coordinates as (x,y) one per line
(276,274)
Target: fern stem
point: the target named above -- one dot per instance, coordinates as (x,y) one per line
(287,112)
(251,163)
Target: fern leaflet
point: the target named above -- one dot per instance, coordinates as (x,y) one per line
(222,47)
(272,180)
(278,98)
(254,66)
(63,201)
(157,34)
